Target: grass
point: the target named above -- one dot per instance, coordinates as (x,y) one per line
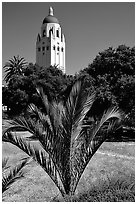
(108,177)
(108,190)
(111,190)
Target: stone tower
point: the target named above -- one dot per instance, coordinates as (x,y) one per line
(50,45)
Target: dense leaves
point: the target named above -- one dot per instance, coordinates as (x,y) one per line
(111,75)
(21,89)
(67,141)
(113,71)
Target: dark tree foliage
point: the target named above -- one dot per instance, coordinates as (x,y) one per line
(21,89)
(113,71)
(111,75)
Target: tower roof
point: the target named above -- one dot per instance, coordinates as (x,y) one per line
(50,18)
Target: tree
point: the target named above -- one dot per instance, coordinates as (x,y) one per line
(67,141)
(113,71)
(15,66)
(14,96)
(21,89)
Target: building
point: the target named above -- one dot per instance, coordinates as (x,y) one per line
(50,45)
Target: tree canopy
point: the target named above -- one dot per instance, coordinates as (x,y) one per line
(113,71)
(21,89)
(111,75)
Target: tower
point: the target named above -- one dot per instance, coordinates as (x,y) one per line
(50,44)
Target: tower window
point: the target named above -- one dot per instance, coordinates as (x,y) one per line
(43,48)
(62,49)
(51,30)
(47,47)
(54,47)
(39,49)
(58,48)
(57,32)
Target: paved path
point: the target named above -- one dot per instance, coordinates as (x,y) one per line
(115,155)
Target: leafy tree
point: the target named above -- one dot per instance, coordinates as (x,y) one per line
(113,62)
(14,96)
(15,66)
(67,141)
(113,71)
(21,89)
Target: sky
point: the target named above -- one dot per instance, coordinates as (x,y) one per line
(89,28)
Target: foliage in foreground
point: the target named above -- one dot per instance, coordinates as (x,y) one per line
(67,141)
(10,175)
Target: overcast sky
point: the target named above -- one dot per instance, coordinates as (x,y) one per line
(88,27)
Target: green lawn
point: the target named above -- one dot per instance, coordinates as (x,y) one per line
(112,161)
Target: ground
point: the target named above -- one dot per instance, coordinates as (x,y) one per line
(112,160)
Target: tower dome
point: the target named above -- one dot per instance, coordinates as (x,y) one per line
(50,18)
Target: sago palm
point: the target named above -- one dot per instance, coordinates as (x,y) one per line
(14,66)
(67,141)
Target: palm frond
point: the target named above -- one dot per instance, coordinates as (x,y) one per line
(43,131)
(53,114)
(4,163)
(77,106)
(14,174)
(44,99)
(51,110)
(108,117)
(90,140)
(19,123)
(14,66)
(41,117)
(67,142)
(43,159)
(46,162)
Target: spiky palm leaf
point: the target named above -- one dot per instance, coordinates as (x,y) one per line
(14,66)
(91,139)
(43,159)
(4,163)
(8,178)
(68,144)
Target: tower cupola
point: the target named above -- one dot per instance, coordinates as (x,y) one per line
(50,18)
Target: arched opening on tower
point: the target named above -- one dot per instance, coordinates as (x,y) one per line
(57,32)
(51,31)
(44,33)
